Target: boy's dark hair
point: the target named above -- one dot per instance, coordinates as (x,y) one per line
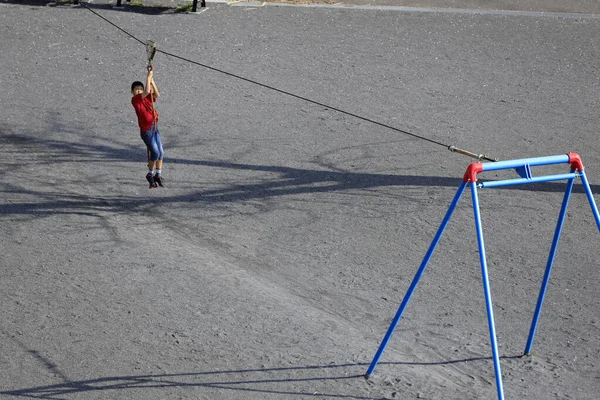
(136,84)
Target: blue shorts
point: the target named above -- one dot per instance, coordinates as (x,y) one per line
(151,138)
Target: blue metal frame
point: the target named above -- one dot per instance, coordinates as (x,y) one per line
(420,271)
(486,289)
(546,279)
(523,168)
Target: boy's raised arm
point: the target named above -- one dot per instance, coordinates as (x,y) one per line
(148,86)
(156,94)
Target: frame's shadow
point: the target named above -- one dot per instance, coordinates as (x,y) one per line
(289,181)
(346,371)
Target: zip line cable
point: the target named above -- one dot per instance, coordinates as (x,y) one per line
(304,98)
(455,149)
(112,23)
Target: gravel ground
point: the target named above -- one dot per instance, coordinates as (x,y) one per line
(271,265)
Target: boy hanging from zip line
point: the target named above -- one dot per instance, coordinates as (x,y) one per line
(143,100)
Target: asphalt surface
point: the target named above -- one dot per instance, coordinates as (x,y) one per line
(271,265)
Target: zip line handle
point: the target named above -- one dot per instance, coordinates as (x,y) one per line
(150,52)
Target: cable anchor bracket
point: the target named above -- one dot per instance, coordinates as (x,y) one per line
(479,157)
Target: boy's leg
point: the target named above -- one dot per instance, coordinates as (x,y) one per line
(157,177)
(151,164)
(150,176)
(159,161)
(152,152)
(151,180)
(159,149)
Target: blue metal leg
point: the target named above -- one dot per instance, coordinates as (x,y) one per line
(488,295)
(415,280)
(540,301)
(590,197)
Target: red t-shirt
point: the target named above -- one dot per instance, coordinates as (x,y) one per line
(146,113)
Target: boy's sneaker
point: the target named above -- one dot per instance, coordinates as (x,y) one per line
(158,179)
(151,180)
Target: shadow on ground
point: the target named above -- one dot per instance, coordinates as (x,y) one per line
(289,181)
(125,6)
(253,380)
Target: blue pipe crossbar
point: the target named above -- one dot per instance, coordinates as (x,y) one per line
(521,181)
(523,167)
(533,162)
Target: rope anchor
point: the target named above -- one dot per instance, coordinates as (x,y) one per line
(479,157)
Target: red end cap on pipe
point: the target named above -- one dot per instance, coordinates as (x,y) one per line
(472,171)
(575,161)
